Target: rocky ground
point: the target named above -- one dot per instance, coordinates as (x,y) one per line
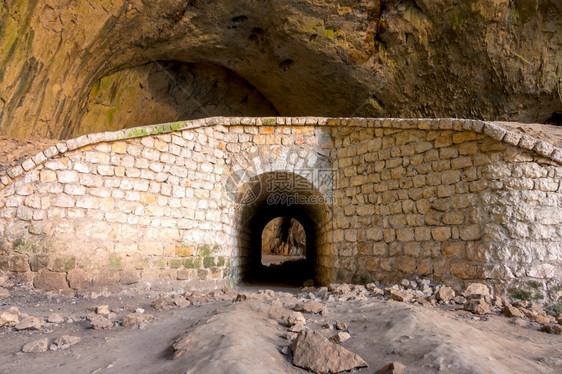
(414,327)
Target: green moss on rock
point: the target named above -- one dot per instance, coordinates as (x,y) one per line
(208,262)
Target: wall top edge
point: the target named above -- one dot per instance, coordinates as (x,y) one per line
(496,130)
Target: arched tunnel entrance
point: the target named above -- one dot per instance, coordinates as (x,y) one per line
(280,194)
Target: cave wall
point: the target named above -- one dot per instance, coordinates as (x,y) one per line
(64,65)
(456,201)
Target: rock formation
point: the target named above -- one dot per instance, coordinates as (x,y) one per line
(284,236)
(74,67)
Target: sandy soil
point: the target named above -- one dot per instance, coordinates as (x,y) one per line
(229,336)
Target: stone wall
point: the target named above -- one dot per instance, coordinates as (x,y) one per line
(451,200)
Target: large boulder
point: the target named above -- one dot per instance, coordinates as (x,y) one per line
(314,352)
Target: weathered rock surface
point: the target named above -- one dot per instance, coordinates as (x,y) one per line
(511,311)
(401,296)
(296,318)
(66,341)
(552,329)
(29,323)
(310,307)
(477,289)
(36,346)
(98,322)
(477,306)
(135,319)
(445,294)
(393,368)
(340,337)
(313,352)
(55,318)
(70,68)
(8,319)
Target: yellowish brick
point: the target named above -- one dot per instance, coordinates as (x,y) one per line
(48,176)
(465,136)
(441,233)
(119,147)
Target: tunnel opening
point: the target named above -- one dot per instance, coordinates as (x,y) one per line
(270,196)
(283,239)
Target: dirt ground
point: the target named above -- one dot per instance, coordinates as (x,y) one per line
(236,332)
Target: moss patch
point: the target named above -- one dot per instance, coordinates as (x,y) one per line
(221,261)
(204,250)
(64,264)
(531,290)
(115,263)
(22,246)
(175,264)
(192,263)
(208,262)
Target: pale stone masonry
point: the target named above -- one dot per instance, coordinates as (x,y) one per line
(452,200)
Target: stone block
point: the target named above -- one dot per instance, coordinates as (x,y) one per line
(471,232)
(441,233)
(67,176)
(50,281)
(79,279)
(463,270)
(19,263)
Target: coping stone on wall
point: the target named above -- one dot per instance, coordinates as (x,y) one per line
(491,129)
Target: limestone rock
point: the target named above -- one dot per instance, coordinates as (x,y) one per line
(8,319)
(103,310)
(477,306)
(135,319)
(511,311)
(314,352)
(552,329)
(161,303)
(297,328)
(543,319)
(477,289)
(401,295)
(180,301)
(4,293)
(66,341)
(459,299)
(98,322)
(310,307)
(341,325)
(290,336)
(50,281)
(278,311)
(392,368)
(36,346)
(296,318)
(340,337)
(374,290)
(339,289)
(445,294)
(29,323)
(55,318)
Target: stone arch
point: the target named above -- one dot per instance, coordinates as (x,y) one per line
(275,194)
